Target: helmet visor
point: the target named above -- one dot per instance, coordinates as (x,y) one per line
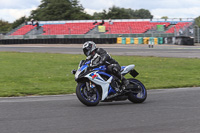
(86,51)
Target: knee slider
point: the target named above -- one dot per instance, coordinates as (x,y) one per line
(115,70)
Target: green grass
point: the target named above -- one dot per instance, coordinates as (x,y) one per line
(49,74)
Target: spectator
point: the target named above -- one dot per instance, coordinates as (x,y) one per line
(32,21)
(37,24)
(110,22)
(94,22)
(164,27)
(102,23)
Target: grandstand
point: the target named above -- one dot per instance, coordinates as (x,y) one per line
(79,31)
(178,26)
(132,26)
(67,28)
(23,30)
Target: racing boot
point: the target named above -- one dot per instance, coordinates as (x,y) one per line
(125,83)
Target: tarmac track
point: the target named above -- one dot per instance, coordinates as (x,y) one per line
(164,111)
(113,49)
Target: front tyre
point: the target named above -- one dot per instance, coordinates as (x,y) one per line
(89,98)
(138,94)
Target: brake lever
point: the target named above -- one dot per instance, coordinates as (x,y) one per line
(73,71)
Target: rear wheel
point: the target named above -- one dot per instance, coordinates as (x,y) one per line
(138,93)
(89,97)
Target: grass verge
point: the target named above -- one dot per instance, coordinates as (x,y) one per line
(50,74)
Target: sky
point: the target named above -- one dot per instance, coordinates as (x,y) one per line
(10,10)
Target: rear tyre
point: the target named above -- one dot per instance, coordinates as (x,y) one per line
(88,98)
(139,94)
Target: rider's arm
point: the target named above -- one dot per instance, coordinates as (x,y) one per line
(104,56)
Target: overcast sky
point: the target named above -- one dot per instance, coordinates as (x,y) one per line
(11,10)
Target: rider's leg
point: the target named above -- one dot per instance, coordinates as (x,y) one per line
(115,70)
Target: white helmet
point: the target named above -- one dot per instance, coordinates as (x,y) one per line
(88,47)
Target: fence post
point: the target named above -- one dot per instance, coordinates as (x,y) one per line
(196,34)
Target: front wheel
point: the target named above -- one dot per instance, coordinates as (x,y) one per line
(88,96)
(138,93)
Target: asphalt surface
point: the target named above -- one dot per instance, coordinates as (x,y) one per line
(164,111)
(114,49)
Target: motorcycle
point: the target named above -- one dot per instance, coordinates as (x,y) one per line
(95,85)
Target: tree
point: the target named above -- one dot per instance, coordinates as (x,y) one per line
(143,14)
(18,22)
(101,15)
(117,12)
(164,17)
(197,21)
(123,13)
(59,10)
(4,26)
(78,11)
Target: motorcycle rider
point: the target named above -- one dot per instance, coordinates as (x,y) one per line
(99,56)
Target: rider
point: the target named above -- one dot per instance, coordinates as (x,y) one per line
(113,67)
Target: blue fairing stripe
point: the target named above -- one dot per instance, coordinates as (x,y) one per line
(101,68)
(111,90)
(91,74)
(122,67)
(83,67)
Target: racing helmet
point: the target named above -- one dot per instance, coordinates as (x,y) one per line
(88,47)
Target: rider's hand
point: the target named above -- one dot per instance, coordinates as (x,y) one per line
(100,63)
(93,66)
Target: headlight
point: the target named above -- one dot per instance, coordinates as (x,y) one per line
(77,74)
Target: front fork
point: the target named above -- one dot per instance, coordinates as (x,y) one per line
(90,86)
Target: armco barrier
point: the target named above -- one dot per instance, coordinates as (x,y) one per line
(123,40)
(146,40)
(160,40)
(132,40)
(136,41)
(184,40)
(155,40)
(119,40)
(128,40)
(140,40)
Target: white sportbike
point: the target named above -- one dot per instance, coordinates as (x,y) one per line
(95,85)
